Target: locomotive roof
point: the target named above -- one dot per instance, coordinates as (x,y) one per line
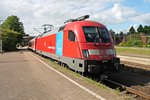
(83,23)
(72,24)
(86,23)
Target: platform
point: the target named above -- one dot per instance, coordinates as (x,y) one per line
(26,76)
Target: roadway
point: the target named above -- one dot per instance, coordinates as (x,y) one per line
(24,76)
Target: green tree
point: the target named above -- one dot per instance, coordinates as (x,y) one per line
(112,32)
(132,30)
(140,29)
(147,30)
(13,23)
(121,34)
(9,39)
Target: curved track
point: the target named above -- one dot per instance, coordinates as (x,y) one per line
(128,89)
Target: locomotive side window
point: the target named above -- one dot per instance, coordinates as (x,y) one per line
(96,34)
(71,36)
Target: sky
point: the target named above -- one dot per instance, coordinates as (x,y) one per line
(118,15)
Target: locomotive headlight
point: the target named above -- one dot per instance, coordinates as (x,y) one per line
(114,52)
(111,52)
(85,53)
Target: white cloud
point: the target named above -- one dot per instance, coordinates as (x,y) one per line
(134,25)
(117,14)
(36,13)
(144,18)
(147,0)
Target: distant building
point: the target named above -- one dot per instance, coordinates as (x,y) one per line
(26,39)
(144,38)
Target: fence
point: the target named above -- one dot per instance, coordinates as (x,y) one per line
(125,38)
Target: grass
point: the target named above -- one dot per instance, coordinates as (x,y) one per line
(129,50)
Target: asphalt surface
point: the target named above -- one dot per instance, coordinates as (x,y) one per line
(22,77)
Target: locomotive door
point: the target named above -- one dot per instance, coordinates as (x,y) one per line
(71,48)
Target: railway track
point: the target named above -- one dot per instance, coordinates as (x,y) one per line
(128,89)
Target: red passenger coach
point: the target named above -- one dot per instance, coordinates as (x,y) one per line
(32,44)
(82,45)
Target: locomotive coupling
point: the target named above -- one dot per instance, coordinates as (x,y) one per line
(103,77)
(116,62)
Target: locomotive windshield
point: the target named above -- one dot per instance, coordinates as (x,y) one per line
(96,34)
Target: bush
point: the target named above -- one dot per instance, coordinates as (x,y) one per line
(148,45)
(148,40)
(132,43)
(123,44)
(9,39)
(135,43)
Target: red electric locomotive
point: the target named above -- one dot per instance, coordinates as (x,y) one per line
(82,45)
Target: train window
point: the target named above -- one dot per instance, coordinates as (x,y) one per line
(96,34)
(71,36)
(90,33)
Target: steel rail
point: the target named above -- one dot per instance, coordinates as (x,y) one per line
(131,90)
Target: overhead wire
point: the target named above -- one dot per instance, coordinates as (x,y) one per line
(68,12)
(74,8)
(78,6)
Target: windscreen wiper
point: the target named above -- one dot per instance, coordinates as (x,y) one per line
(97,38)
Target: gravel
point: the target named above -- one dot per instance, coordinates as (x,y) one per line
(133,77)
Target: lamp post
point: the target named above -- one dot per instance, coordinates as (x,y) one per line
(1,42)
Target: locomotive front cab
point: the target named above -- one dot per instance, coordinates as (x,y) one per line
(97,48)
(98,43)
